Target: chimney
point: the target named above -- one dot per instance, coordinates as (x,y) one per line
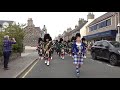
(76,26)
(81,20)
(90,16)
(30,22)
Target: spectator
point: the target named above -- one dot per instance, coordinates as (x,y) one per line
(7,48)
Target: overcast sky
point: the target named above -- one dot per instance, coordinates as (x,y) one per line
(56,22)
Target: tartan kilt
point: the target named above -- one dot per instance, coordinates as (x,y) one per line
(78,59)
(46,55)
(40,52)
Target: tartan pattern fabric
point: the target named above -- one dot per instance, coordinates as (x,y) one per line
(78,53)
(78,59)
(40,52)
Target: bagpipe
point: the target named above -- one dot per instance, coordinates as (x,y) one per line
(47,49)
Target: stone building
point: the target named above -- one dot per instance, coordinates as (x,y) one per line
(32,34)
(70,33)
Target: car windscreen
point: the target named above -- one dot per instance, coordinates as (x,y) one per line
(115,44)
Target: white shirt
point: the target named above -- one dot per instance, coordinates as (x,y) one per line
(79,46)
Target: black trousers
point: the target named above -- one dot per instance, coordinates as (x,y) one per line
(6,58)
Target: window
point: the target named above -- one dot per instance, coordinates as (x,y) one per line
(90,29)
(108,22)
(104,24)
(98,43)
(105,44)
(97,26)
(100,25)
(115,44)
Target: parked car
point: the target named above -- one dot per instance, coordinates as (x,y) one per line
(109,50)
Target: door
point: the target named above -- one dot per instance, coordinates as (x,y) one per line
(105,50)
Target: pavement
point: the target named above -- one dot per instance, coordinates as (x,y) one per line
(65,69)
(19,65)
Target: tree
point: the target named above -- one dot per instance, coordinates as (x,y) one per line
(16,31)
(1,43)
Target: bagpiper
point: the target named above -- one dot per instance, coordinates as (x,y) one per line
(61,49)
(47,48)
(56,47)
(40,48)
(72,41)
(69,47)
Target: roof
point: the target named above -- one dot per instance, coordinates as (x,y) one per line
(38,28)
(104,16)
(79,27)
(3,21)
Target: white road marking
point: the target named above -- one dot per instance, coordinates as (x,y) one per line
(30,69)
(109,65)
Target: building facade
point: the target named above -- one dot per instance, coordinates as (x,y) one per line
(32,34)
(83,30)
(103,28)
(70,33)
(43,31)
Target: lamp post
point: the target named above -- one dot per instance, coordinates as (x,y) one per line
(118,36)
(118,27)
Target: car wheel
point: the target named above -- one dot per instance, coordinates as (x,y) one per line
(113,60)
(94,56)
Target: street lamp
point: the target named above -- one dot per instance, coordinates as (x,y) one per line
(118,36)
(118,27)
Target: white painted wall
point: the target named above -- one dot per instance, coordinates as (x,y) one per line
(13,23)
(84,28)
(5,24)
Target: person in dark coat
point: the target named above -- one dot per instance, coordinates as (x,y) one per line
(61,49)
(7,49)
(56,47)
(40,48)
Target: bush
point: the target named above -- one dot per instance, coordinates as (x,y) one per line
(1,44)
(18,48)
(14,31)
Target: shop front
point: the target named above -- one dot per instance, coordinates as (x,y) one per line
(107,35)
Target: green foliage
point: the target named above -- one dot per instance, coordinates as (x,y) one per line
(1,43)
(14,31)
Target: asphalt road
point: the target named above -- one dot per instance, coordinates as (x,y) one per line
(65,69)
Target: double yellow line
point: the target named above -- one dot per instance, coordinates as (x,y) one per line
(30,69)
